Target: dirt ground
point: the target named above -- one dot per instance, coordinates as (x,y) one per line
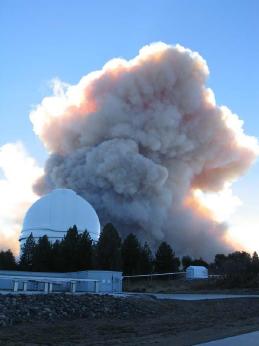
(174,323)
(181,286)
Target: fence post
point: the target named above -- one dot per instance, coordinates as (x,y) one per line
(25,284)
(16,286)
(50,287)
(46,287)
(73,286)
(96,286)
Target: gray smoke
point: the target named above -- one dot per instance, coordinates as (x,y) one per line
(137,138)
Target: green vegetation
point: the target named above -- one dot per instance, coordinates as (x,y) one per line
(238,269)
(77,251)
(7,260)
(166,261)
(108,249)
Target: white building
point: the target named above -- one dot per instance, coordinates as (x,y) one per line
(54,213)
(86,281)
(196,272)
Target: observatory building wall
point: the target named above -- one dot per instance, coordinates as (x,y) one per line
(108,281)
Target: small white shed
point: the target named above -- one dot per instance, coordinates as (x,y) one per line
(196,272)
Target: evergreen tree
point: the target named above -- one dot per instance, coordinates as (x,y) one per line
(146,260)
(186,262)
(68,250)
(219,263)
(84,252)
(255,263)
(165,261)
(42,256)
(7,260)
(199,262)
(74,252)
(26,259)
(94,256)
(131,254)
(108,250)
(57,259)
(238,262)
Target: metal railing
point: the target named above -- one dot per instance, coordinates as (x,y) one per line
(151,275)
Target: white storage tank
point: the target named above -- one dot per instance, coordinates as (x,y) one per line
(196,272)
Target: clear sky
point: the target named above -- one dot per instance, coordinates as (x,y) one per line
(67,39)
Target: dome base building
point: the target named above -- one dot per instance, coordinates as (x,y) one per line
(54,213)
(86,281)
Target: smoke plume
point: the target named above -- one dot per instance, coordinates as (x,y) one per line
(139,139)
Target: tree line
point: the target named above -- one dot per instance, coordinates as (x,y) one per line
(77,251)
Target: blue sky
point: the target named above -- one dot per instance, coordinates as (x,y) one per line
(67,39)
(41,40)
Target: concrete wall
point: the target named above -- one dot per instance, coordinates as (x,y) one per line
(109,281)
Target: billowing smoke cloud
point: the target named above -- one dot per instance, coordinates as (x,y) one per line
(18,172)
(138,139)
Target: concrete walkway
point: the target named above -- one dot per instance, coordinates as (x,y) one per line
(172,296)
(249,339)
(207,296)
(191,296)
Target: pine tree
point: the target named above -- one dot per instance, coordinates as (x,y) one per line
(68,250)
(255,263)
(131,254)
(57,259)
(146,260)
(199,262)
(165,261)
(108,250)
(220,263)
(186,262)
(84,252)
(42,256)
(7,260)
(26,259)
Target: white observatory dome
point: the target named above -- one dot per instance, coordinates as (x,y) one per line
(55,213)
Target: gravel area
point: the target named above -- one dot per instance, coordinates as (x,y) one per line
(52,307)
(105,320)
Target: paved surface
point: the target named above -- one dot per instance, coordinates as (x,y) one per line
(193,296)
(199,296)
(173,296)
(249,339)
